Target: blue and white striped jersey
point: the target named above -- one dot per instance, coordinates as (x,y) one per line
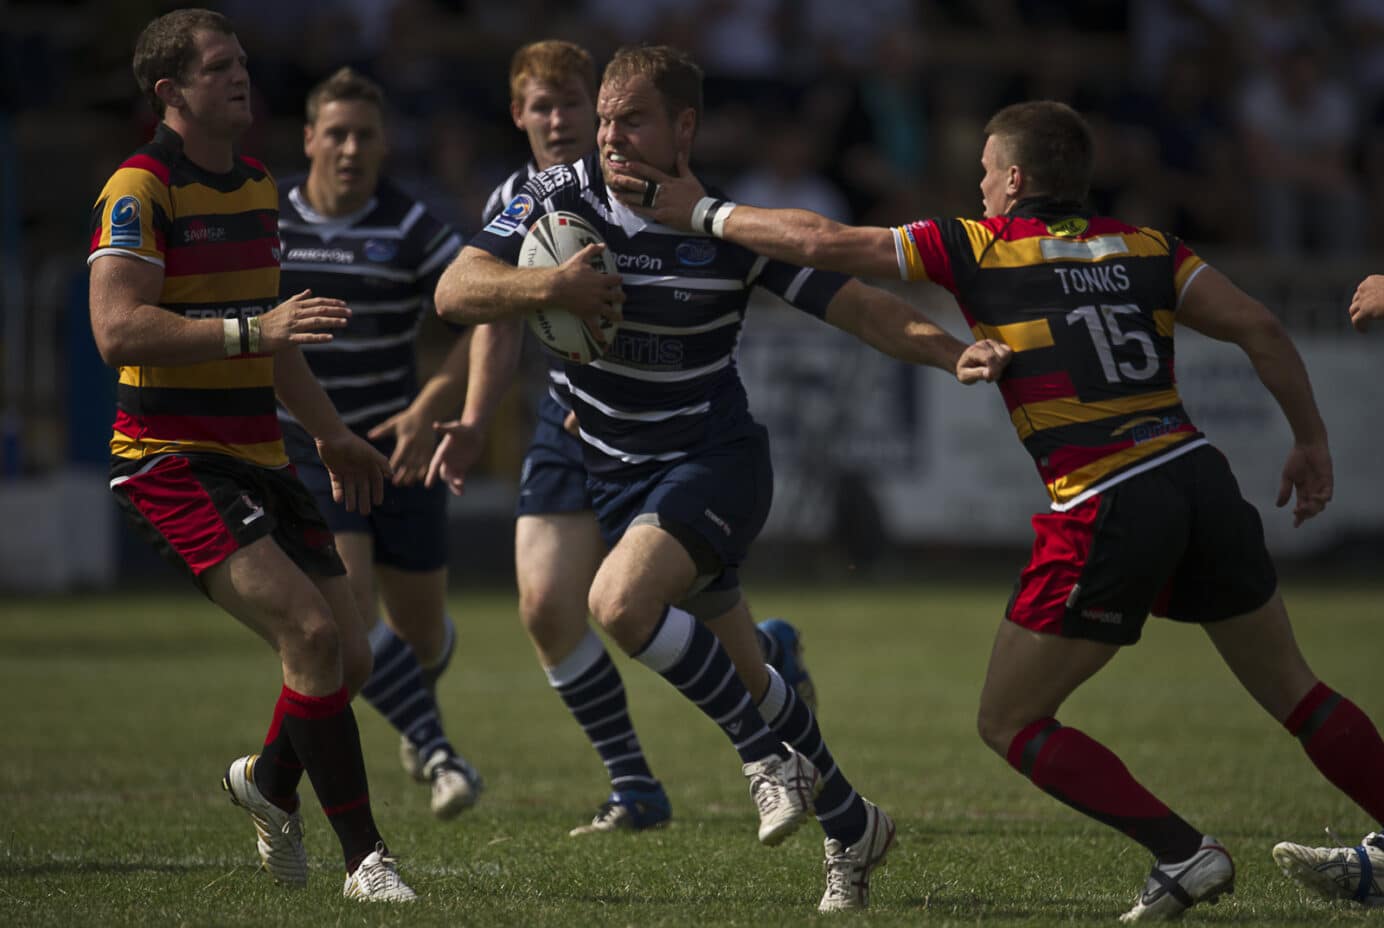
(384,261)
(669,386)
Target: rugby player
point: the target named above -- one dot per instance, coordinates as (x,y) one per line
(678,472)
(1145,514)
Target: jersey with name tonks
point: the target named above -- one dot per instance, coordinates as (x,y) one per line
(384,260)
(1088,305)
(669,386)
(216,238)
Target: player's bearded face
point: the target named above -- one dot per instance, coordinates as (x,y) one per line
(634,125)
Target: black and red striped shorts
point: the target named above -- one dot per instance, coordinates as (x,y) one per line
(1179,541)
(198,509)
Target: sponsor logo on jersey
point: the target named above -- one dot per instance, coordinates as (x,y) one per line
(550,181)
(381,250)
(638,263)
(198,231)
(226,312)
(322,255)
(1070,227)
(696,252)
(511,220)
(125,228)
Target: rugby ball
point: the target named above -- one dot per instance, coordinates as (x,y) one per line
(553,238)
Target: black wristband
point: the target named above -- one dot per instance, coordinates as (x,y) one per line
(244,335)
(711,215)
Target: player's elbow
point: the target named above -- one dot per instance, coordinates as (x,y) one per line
(115,347)
(459,296)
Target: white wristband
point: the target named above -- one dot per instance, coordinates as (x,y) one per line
(719,217)
(709,215)
(230,330)
(699,213)
(253,325)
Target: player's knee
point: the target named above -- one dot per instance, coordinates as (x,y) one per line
(995,729)
(623,614)
(310,637)
(547,614)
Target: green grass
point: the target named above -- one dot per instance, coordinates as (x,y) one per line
(121,712)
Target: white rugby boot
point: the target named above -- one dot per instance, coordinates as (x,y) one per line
(377,880)
(1337,872)
(410,761)
(783,789)
(280,833)
(849,868)
(455,784)
(1174,888)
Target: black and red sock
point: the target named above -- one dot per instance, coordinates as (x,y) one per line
(323,732)
(1344,744)
(1078,770)
(278,770)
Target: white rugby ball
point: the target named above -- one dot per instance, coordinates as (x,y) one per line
(554,238)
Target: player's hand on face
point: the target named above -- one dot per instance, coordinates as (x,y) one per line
(358,471)
(1368,302)
(984,360)
(455,454)
(413,445)
(583,290)
(1307,472)
(302,319)
(672,199)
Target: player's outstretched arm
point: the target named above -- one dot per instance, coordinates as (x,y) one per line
(413,426)
(357,470)
(891,325)
(131,329)
(1214,306)
(797,236)
(1367,303)
(478,287)
(894,326)
(494,358)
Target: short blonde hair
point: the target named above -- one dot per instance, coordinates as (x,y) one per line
(552,61)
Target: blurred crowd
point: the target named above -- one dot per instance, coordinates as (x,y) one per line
(1254,124)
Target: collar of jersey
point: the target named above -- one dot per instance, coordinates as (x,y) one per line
(1046,206)
(305,210)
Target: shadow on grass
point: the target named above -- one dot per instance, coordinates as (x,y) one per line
(113,867)
(967,906)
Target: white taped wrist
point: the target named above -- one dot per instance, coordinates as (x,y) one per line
(709,215)
(230,332)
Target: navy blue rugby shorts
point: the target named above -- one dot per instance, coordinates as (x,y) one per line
(409,528)
(554,476)
(715,503)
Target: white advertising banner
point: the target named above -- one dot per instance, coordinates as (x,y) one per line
(942,462)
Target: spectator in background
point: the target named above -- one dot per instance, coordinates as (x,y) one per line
(787,171)
(1298,129)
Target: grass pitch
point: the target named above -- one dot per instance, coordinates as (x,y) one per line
(121,713)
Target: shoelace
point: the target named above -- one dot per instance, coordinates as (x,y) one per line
(841,876)
(764,790)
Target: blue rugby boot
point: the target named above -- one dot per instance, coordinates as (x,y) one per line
(629,810)
(788,660)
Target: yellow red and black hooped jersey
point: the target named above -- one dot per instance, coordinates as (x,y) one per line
(1087,303)
(216,236)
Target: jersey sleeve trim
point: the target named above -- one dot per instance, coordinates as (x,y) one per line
(124,252)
